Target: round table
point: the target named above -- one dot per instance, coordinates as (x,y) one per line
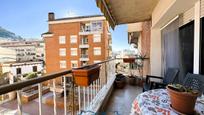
(157,102)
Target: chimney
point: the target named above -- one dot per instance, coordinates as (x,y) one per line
(51,16)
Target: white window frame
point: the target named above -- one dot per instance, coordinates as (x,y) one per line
(97,52)
(63,64)
(62,51)
(73,39)
(74,62)
(96,38)
(62,39)
(74,54)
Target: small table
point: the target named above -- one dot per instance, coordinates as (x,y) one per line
(157,102)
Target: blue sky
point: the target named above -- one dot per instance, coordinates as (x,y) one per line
(27,18)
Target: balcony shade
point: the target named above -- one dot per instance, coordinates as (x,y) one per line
(126,11)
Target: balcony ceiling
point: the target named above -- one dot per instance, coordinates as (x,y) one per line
(126,11)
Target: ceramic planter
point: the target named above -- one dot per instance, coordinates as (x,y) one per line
(183,102)
(132,80)
(120,81)
(85,76)
(128,60)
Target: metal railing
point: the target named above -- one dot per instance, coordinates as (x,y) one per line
(88,98)
(84,56)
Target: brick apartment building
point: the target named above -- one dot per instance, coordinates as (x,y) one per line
(76,41)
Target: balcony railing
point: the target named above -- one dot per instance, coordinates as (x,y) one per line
(84,45)
(84,56)
(85,31)
(83,98)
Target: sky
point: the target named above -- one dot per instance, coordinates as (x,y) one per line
(28,18)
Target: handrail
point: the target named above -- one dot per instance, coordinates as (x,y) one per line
(19,85)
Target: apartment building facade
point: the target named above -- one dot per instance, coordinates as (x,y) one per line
(76,41)
(7,54)
(26,50)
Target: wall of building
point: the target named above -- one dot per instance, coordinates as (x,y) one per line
(67,29)
(164,12)
(7,55)
(26,67)
(145,45)
(26,50)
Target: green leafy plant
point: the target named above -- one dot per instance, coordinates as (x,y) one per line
(31,75)
(181,88)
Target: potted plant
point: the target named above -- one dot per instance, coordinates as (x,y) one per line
(120,81)
(85,76)
(132,80)
(182,99)
(140,58)
(128,60)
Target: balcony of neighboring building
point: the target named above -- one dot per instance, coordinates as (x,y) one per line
(84,57)
(92,27)
(84,43)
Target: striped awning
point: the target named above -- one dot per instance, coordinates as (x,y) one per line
(105,7)
(126,11)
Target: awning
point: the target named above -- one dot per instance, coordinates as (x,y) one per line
(126,11)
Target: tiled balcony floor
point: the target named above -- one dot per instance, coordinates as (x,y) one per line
(121,100)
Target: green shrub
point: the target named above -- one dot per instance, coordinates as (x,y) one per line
(31,75)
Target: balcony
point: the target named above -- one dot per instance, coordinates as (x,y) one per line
(59,100)
(88,32)
(84,57)
(91,28)
(84,45)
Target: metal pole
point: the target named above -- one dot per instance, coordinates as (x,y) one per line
(65,96)
(84,89)
(105,73)
(54,97)
(73,104)
(79,98)
(40,98)
(19,102)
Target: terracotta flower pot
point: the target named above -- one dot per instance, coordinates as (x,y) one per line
(183,102)
(85,76)
(128,60)
(132,80)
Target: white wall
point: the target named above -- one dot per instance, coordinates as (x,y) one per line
(164,12)
(25,68)
(7,55)
(155,52)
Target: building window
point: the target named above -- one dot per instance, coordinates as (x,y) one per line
(73,39)
(62,40)
(97,25)
(35,68)
(74,64)
(63,64)
(97,61)
(97,38)
(84,41)
(97,51)
(73,51)
(62,51)
(18,71)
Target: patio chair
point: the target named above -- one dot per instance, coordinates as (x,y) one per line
(168,78)
(194,81)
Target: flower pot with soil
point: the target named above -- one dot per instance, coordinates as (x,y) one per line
(182,99)
(128,60)
(132,80)
(85,76)
(120,81)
